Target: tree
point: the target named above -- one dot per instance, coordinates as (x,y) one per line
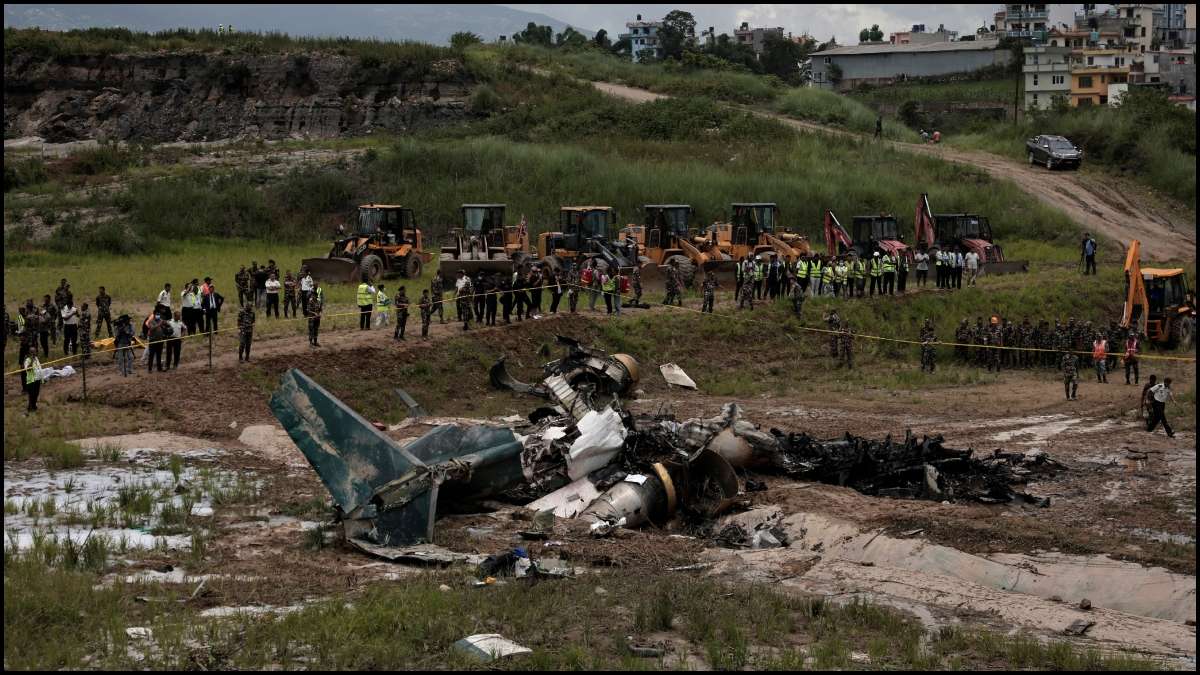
(601,40)
(835,73)
(734,52)
(570,38)
(781,57)
(621,46)
(535,35)
(678,27)
(872,34)
(463,39)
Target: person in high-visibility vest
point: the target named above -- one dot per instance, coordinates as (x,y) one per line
(814,273)
(365,299)
(382,302)
(875,270)
(609,286)
(802,274)
(759,272)
(827,277)
(33,381)
(889,273)
(858,270)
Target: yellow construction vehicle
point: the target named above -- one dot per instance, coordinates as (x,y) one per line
(585,233)
(483,243)
(665,236)
(753,232)
(1158,302)
(386,242)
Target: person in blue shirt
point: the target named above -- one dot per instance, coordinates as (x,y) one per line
(1089,253)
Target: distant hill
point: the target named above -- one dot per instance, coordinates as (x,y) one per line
(425,23)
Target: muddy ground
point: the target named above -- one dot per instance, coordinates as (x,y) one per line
(1119,530)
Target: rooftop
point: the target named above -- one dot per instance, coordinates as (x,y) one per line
(888,48)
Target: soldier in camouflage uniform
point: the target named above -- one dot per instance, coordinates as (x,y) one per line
(636,280)
(710,292)
(995,341)
(426,314)
(927,351)
(316,303)
(746,295)
(401,303)
(673,291)
(1035,342)
(834,322)
(979,337)
(1008,333)
(103,312)
(1070,371)
(437,291)
(241,281)
(797,297)
(50,317)
(245,322)
(846,339)
(962,338)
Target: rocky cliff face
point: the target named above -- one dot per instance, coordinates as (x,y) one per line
(197,97)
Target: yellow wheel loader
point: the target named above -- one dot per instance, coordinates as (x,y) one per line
(484,243)
(666,236)
(386,243)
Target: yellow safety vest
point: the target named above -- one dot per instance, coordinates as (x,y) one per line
(875,268)
(802,269)
(815,269)
(20,324)
(827,273)
(364,295)
(758,271)
(610,285)
(889,264)
(32,366)
(858,269)
(840,273)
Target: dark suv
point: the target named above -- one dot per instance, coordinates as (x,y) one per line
(1053,151)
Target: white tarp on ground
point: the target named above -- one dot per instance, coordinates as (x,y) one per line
(47,373)
(673,374)
(601,436)
(568,501)
(489,646)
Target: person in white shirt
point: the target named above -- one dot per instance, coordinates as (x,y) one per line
(921,258)
(382,302)
(971,261)
(162,306)
(306,289)
(70,319)
(175,343)
(272,289)
(1159,395)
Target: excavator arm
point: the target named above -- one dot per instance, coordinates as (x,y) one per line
(835,234)
(924,222)
(1136,303)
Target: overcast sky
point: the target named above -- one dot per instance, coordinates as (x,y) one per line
(820,21)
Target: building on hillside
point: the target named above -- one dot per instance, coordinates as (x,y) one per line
(918,36)
(1101,68)
(845,67)
(1079,40)
(1108,21)
(1025,21)
(755,38)
(644,41)
(708,37)
(1171,30)
(1138,27)
(1173,71)
(1047,76)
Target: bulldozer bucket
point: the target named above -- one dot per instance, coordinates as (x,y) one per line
(1006,267)
(333,270)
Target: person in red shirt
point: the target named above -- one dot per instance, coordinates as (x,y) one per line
(1132,347)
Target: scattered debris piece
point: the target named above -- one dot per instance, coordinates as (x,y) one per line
(489,647)
(1085,604)
(673,374)
(139,633)
(641,651)
(582,366)
(690,568)
(1079,627)
(414,409)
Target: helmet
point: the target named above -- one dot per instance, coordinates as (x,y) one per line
(876,254)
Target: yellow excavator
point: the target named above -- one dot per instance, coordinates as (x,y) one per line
(1158,302)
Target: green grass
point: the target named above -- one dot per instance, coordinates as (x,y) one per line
(827,107)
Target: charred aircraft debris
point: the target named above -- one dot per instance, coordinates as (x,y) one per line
(584,456)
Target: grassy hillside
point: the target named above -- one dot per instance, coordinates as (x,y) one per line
(947,92)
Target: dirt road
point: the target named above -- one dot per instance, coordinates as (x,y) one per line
(1094,202)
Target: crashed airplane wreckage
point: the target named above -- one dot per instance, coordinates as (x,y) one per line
(588,459)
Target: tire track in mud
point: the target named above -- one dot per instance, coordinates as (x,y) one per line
(1098,207)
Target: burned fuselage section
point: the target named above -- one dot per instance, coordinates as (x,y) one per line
(585,456)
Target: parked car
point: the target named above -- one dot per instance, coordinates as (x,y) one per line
(1053,151)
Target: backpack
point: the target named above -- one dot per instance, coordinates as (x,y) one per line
(586,277)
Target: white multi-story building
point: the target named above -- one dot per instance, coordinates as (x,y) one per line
(1139,24)
(1047,76)
(1025,21)
(644,39)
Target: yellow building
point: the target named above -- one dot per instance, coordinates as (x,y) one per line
(1089,86)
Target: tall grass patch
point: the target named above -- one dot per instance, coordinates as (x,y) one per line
(827,107)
